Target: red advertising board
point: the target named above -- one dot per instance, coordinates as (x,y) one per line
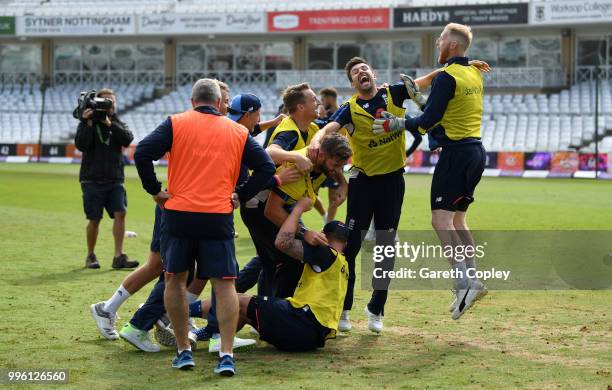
(27,150)
(347,19)
(72,151)
(564,162)
(510,161)
(415,159)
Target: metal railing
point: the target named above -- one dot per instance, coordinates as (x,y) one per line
(591,73)
(109,78)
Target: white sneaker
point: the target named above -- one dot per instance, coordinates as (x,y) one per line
(453,304)
(375,322)
(467,297)
(370,235)
(105,321)
(345,322)
(138,338)
(214,344)
(254,331)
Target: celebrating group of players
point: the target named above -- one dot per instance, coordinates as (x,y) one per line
(305,278)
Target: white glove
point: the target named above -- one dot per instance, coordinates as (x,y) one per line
(413,90)
(388,123)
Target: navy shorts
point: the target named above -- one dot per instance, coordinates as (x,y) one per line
(214,258)
(330,183)
(156,238)
(100,196)
(285,327)
(456,175)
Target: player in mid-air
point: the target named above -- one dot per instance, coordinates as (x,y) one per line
(452,117)
(376,184)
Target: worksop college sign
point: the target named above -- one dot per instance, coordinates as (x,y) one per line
(486,14)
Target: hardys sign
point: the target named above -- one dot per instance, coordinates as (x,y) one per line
(486,14)
(75,25)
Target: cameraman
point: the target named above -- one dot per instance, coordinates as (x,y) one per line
(100,137)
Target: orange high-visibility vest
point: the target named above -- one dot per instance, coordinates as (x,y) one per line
(204,162)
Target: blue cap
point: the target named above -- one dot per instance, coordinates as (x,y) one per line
(241,104)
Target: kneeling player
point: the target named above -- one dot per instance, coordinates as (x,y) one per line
(304,321)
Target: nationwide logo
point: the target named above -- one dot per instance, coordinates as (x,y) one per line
(286,21)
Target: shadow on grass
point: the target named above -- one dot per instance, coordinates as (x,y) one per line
(58,277)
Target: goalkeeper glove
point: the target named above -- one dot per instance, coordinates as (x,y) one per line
(388,123)
(413,90)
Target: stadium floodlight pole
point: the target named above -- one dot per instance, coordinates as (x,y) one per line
(43,88)
(597,75)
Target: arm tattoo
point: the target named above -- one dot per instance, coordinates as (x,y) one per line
(286,243)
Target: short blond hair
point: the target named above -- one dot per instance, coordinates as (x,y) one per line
(223,86)
(462,33)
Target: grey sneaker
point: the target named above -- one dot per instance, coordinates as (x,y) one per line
(91,261)
(165,336)
(467,297)
(105,321)
(122,261)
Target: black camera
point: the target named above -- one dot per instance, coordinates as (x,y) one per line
(99,105)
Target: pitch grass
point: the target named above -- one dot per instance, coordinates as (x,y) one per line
(531,339)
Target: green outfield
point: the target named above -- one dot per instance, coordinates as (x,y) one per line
(526,339)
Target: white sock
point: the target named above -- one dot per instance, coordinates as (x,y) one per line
(113,304)
(221,354)
(180,351)
(191,297)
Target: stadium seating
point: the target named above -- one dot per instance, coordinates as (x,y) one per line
(511,122)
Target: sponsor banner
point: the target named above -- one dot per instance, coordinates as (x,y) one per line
(76,25)
(491,161)
(7,25)
(348,19)
(29,150)
(8,150)
(72,151)
(510,161)
(415,159)
(430,159)
(538,161)
(53,150)
(486,14)
(570,11)
(587,162)
(564,162)
(157,24)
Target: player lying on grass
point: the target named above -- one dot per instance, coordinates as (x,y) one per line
(304,321)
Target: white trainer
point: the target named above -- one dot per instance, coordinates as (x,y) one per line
(345,322)
(467,297)
(138,338)
(451,307)
(105,321)
(214,344)
(375,321)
